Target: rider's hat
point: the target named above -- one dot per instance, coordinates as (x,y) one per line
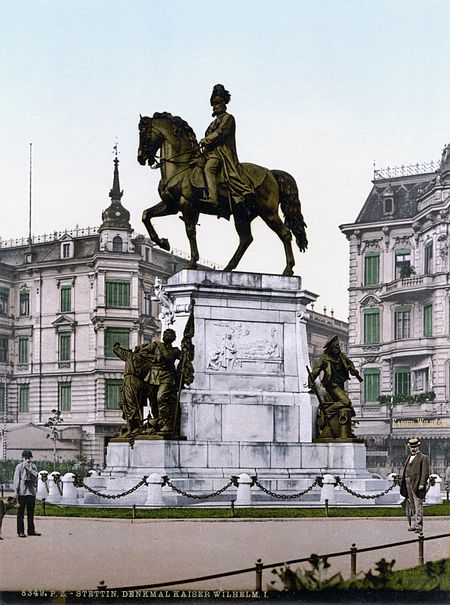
(220,94)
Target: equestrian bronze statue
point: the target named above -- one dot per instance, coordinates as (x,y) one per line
(242,190)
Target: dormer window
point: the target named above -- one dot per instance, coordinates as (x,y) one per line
(388,201)
(388,205)
(117,244)
(67,248)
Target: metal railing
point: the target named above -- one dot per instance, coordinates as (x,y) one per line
(409,170)
(259,566)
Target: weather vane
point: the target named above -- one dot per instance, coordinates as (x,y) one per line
(115,149)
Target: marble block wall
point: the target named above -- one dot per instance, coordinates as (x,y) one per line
(251,355)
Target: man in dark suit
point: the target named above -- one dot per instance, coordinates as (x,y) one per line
(416,472)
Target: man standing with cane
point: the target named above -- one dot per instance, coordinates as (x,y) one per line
(416,472)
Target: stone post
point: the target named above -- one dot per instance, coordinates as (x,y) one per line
(328,489)
(42,491)
(54,496)
(97,483)
(154,491)
(396,491)
(69,491)
(434,493)
(244,494)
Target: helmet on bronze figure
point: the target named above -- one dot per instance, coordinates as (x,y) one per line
(220,94)
(333,341)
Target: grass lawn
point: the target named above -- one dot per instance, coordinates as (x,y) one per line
(55,510)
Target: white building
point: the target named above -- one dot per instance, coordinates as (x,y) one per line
(399,314)
(64,301)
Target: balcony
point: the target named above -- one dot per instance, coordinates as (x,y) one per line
(416,287)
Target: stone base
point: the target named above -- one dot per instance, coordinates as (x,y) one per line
(200,468)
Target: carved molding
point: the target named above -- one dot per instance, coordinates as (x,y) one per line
(371,245)
(370,301)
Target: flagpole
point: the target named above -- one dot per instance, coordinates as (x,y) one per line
(30,197)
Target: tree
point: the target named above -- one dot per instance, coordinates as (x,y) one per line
(52,424)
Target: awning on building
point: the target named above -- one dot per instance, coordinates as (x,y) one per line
(423,434)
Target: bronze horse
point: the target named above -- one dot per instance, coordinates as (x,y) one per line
(181,189)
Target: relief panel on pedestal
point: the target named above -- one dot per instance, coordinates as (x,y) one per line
(244,347)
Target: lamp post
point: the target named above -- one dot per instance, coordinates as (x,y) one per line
(391,449)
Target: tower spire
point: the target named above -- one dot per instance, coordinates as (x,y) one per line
(116,216)
(116,194)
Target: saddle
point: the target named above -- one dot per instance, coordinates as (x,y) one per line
(256,174)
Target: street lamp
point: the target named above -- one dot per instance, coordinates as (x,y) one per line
(391,411)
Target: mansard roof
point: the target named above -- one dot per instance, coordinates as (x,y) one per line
(405,191)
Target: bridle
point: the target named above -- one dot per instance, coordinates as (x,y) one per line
(148,151)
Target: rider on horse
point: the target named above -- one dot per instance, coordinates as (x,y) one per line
(219,152)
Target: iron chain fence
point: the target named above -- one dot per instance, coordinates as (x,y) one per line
(195,496)
(80,483)
(366,496)
(317,482)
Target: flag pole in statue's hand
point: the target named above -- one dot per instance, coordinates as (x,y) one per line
(185,369)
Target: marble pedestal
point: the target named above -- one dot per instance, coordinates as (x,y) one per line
(249,408)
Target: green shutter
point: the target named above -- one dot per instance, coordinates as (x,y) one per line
(66,299)
(371,318)
(371,269)
(23,349)
(113,335)
(117,293)
(2,398)
(371,384)
(65,396)
(3,348)
(428,320)
(112,394)
(24,392)
(64,346)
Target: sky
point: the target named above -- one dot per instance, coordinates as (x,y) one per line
(319,88)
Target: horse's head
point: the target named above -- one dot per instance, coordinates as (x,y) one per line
(149,141)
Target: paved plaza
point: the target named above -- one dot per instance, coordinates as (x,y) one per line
(77,554)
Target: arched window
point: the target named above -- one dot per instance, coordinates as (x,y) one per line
(117,244)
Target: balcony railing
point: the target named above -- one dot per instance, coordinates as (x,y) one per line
(407,282)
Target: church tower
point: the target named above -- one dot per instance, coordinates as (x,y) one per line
(115,230)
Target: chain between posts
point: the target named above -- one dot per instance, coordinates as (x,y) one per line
(317,482)
(367,497)
(195,496)
(80,483)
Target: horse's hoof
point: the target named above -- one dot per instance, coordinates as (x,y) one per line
(288,273)
(192,265)
(164,244)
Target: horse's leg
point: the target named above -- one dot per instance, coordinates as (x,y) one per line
(276,224)
(155,211)
(190,218)
(242,224)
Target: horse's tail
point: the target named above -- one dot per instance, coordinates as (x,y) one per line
(291,207)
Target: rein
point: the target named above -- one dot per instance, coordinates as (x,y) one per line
(170,160)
